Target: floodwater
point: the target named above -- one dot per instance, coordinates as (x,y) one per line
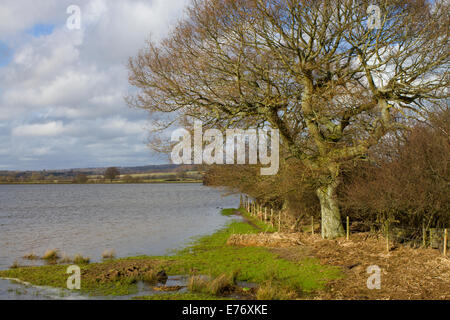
(132,219)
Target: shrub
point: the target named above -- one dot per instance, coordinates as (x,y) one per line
(79,259)
(30,256)
(270,291)
(214,286)
(109,254)
(51,254)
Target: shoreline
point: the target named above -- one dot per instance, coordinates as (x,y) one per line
(99,183)
(210,256)
(240,262)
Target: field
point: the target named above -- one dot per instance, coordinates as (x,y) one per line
(149,177)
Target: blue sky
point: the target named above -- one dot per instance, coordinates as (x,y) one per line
(5,54)
(62,91)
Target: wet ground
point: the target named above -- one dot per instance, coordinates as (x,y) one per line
(11,289)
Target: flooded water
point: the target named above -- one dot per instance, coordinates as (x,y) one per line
(140,219)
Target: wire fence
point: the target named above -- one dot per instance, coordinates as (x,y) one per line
(436,238)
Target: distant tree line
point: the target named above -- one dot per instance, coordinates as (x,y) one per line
(112,174)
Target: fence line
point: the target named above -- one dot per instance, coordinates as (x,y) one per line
(436,238)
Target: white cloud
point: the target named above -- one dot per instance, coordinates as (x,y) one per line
(39,130)
(62,93)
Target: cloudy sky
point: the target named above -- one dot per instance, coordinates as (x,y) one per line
(62,91)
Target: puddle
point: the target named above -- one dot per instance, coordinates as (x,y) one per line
(12,289)
(176,284)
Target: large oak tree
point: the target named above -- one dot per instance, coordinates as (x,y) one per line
(316,70)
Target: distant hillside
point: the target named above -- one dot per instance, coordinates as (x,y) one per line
(161,172)
(101,170)
(131,170)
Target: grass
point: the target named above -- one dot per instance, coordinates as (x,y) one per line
(271,291)
(221,284)
(228,212)
(208,255)
(212,286)
(198,284)
(150,277)
(79,259)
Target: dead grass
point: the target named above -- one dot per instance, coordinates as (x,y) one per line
(79,259)
(30,256)
(215,286)
(51,254)
(271,291)
(65,259)
(265,240)
(221,284)
(406,273)
(197,283)
(150,276)
(109,254)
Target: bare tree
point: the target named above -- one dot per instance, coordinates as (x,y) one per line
(81,178)
(313,69)
(407,180)
(111,173)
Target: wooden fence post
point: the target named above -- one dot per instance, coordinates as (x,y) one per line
(445,242)
(312,225)
(387,237)
(279,221)
(348,228)
(265,214)
(424,237)
(271,216)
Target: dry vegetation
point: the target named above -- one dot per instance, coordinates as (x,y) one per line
(30,256)
(51,254)
(109,254)
(265,240)
(79,259)
(406,273)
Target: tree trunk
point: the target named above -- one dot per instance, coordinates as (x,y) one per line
(331,216)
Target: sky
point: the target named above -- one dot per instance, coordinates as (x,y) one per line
(62,89)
